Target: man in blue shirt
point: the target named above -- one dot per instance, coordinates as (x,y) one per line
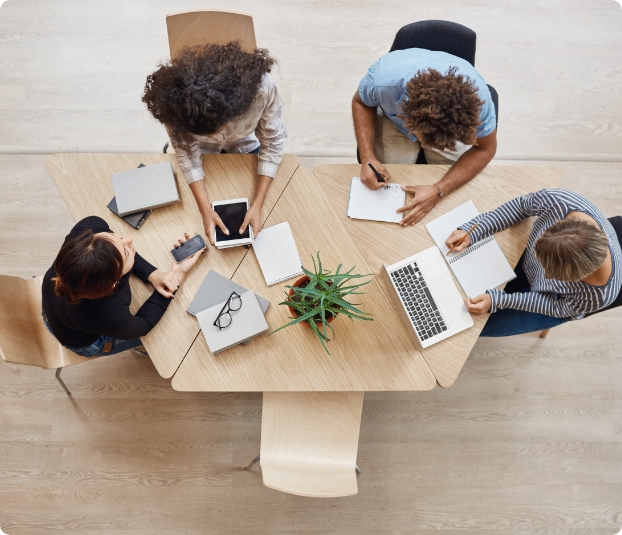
(416,98)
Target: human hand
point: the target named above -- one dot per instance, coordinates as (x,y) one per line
(252,217)
(479,305)
(210,220)
(165,282)
(368,177)
(182,269)
(425,199)
(454,238)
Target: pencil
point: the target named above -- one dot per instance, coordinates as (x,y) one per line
(462,239)
(379,177)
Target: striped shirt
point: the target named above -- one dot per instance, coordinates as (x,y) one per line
(551,297)
(260,126)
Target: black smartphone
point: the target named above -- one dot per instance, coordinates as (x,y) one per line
(187,249)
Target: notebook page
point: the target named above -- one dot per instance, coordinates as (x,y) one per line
(375,205)
(481,266)
(277,253)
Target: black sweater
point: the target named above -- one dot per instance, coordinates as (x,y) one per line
(80,325)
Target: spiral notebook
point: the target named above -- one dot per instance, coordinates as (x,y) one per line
(277,253)
(481,266)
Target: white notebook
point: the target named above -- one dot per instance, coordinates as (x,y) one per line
(246,322)
(375,205)
(481,266)
(277,253)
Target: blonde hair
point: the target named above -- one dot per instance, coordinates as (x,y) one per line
(571,249)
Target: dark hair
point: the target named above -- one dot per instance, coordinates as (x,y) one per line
(87,267)
(442,108)
(204,87)
(571,249)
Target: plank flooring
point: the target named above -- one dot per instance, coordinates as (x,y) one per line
(527,441)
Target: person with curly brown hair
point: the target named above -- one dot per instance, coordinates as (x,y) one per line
(415,98)
(220,99)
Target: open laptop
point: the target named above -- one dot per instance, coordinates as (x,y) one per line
(426,298)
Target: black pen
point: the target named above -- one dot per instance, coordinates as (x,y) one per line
(379,177)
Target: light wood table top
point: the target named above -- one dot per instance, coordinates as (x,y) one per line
(364,356)
(85,184)
(387,243)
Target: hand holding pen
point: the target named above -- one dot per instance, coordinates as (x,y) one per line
(459,240)
(374,175)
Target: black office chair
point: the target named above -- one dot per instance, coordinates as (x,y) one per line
(439,36)
(616,223)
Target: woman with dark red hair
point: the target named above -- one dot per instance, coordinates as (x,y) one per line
(86,292)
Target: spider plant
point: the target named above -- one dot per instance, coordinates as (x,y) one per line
(320,299)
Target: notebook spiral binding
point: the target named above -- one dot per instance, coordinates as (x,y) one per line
(471,248)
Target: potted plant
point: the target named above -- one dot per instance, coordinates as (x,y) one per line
(317,298)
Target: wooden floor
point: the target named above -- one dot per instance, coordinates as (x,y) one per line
(528,440)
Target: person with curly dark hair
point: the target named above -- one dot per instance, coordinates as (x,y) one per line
(413,99)
(220,99)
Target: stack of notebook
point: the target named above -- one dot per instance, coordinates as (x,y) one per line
(139,191)
(246,323)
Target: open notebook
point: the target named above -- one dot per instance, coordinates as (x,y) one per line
(375,205)
(481,266)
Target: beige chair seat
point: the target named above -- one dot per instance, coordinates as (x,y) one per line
(24,338)
(309,442)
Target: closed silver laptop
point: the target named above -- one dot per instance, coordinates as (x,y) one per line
(426,298)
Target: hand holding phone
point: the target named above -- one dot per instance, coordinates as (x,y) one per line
(186,249)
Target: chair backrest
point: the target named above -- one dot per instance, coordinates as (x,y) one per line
(616,223)
(23,336)
(209,26)
(309,442)
(438,35)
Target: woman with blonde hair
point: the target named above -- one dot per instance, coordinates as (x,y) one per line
(572,265)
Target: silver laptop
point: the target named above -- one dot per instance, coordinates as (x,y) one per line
(426,298)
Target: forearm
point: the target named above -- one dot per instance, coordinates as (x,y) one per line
(261,189)
(364,119)
(200,196)
(537,302)
(125,326)
(467,167)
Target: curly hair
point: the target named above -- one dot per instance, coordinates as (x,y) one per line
(204,87)
(442,108)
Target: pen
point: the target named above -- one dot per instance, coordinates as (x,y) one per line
(379,177)
(462,239)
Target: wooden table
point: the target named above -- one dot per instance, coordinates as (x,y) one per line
(84,182)
(380,243)
(365,356)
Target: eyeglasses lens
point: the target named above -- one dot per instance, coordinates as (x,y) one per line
(235,303)
(224,321)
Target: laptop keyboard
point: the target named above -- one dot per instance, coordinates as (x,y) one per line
(418,301)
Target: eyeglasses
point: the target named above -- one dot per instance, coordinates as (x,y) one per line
(233,304)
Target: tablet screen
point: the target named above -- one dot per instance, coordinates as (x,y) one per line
(232,216)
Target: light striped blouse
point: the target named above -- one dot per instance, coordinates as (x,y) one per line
(549,296)
(260,126)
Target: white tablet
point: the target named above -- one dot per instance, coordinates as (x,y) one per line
(232,213)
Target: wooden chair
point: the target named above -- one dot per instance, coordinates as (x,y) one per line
(309,442)
(192,28)
(616,223)
(23,336)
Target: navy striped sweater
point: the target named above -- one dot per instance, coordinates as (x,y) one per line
(549,296)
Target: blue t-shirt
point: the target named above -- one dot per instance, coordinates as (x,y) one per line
(385,83)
